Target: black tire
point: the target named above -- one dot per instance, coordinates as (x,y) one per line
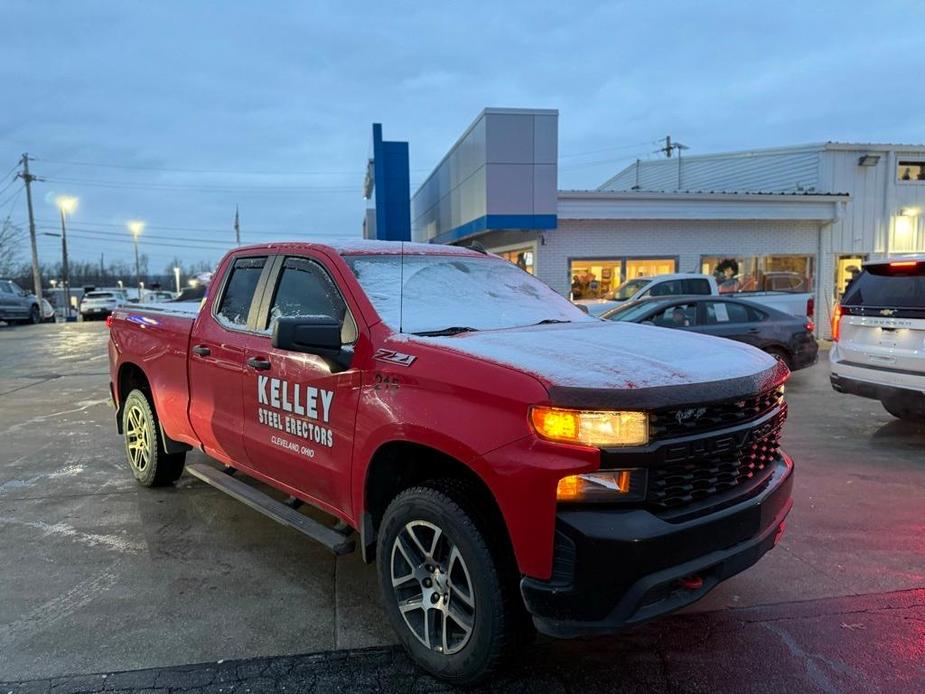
(495,615)
(35,315)
(907,414)
(144,449)
(780,355)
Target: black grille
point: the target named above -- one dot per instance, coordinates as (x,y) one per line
(684,421)
(692,473)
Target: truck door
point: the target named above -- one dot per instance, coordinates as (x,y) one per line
(299,417)
(216,359)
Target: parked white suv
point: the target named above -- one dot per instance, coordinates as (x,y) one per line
(879,336)
(99,304)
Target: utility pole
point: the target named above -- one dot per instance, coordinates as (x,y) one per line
(237,227)
(667,149)
(102,270)
(64,269)
(36,275)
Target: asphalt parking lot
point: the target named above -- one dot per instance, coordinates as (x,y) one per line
(185,588)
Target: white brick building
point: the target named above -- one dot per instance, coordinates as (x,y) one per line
(802,218)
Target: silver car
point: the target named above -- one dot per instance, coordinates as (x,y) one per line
(17,305)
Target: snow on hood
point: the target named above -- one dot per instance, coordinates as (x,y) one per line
(600,354)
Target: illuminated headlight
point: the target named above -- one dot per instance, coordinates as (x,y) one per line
(600,428)
(603,486)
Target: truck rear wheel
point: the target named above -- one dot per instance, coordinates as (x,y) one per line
(150,463)
(442,588)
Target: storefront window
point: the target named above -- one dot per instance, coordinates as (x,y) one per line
(847,267)
(595,279)
(521,257)
(783,273)
(649,267)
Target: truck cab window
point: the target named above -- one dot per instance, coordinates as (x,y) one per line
(239,291)
(306,289)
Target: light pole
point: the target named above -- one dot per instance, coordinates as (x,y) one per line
(176,276)
(66,205)
(136,229)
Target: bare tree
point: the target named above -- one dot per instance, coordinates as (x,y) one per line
(11,240)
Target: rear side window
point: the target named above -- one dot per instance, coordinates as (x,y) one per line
(239,291)
(696,286)
(892,286)
(726,312)
(6,288)
(669,288)
(306,289)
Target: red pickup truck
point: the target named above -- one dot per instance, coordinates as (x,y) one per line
(509,461)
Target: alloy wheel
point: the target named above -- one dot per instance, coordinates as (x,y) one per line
(432,586)
(136,438)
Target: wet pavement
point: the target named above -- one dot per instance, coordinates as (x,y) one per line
(100,576)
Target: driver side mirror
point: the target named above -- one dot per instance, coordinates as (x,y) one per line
(319,335)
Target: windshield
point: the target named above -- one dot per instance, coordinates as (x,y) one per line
(442,292)
(100,295)
(628,289)
(629,312)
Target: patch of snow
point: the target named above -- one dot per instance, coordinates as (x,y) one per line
(600,354)
(184,307)
(485,293)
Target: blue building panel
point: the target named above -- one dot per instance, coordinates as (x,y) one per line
(388,190)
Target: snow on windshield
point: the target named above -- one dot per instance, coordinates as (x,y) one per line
(443,291)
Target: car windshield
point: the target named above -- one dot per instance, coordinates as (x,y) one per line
(456,294)
(628,289)
(100,295)
(630,312)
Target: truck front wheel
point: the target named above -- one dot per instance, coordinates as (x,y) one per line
(150,463)
(442,588)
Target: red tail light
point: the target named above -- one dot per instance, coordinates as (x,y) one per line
(836,323)
(109,321)
(810,307)
(810,325)
(904,263)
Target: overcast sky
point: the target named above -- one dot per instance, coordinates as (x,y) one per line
(269,105)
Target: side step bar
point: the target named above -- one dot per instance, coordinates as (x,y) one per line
(336,541)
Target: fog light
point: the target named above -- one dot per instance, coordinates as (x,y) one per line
(603,486)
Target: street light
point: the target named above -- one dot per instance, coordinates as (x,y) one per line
(66,205)
(176,276)
(136,228)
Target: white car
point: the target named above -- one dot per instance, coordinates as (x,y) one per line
(99,304)
(879,336)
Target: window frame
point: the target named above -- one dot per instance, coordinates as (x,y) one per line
(676,303)
(256,299)
(262,316)
(914,161)
(749,311)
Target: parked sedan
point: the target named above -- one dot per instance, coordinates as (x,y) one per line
(782,335)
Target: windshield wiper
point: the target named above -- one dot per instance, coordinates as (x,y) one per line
(550,321)
(453,330)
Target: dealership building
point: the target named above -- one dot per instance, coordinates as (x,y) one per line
(799,218)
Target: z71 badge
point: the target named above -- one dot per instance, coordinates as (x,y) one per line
(394,357)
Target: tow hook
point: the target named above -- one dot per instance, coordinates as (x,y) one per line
(692,582)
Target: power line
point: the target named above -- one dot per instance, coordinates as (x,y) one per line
(14,198)
(212,171)
(127,185)
(609,149)
(11,196)
(217,230)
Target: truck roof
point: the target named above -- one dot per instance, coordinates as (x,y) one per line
(352,246)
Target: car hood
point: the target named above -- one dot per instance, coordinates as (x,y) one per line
(602,363)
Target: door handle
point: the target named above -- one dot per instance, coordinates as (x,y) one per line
(754,331)
(202,350)
(259,364)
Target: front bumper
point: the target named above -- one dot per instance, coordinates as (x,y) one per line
(615,568)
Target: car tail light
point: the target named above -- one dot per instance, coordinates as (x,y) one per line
(109,321)
(810,307)
(810,325)
(904,263)
(836,323)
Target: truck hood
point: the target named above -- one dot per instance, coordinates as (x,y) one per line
(614,364)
